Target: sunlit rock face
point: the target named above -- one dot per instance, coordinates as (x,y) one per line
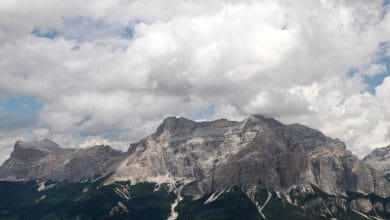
(379,159)
(45,160)
(257,152)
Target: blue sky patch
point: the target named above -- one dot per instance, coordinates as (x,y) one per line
(127,32)
(351,72)
(21,105)
(205,114)
(374,81)
(49,33)
(84,29)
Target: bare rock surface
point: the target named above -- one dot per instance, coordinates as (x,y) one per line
(362,205)
(207,157)
(257,152)
(45,160)
(379,159)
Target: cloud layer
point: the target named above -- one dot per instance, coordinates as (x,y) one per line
(110,71)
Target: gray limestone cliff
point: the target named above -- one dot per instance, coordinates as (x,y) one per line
(45,160)
(379,159)
(259,152)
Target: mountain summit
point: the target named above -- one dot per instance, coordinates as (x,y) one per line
(45,160)
(258,152)
(379,158)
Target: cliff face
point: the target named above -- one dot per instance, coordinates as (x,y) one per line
(379,159)
(258,152)
(45,160)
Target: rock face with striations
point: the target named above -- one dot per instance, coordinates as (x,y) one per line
(45,160)
(379,159)
(258,152)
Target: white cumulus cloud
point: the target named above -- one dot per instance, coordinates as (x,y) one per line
(110,71)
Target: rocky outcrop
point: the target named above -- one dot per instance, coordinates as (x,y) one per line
(379,159)
(257,152)
(362,205)
(45,160)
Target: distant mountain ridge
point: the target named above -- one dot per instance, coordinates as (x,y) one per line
(379,158)
(263,159)
(45,160)
(213,156)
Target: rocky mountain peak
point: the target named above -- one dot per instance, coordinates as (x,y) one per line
(100,150)
(216,155)
(380,154)
(44,145)
(46,160)
(176,125)
(379,159)
(29,151)
(267,119)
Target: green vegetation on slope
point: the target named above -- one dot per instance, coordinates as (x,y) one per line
(121,200)
(92,200)
(278,208)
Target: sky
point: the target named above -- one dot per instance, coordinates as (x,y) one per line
(109,71)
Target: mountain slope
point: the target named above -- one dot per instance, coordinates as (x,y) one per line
(379,158)
(88,200)
(45,160)
(123,200)
(258,152)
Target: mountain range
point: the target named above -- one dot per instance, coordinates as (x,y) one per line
(257,168)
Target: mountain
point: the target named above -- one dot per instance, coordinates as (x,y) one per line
(215,156)
(45,160)
(379,158)
(257,168)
